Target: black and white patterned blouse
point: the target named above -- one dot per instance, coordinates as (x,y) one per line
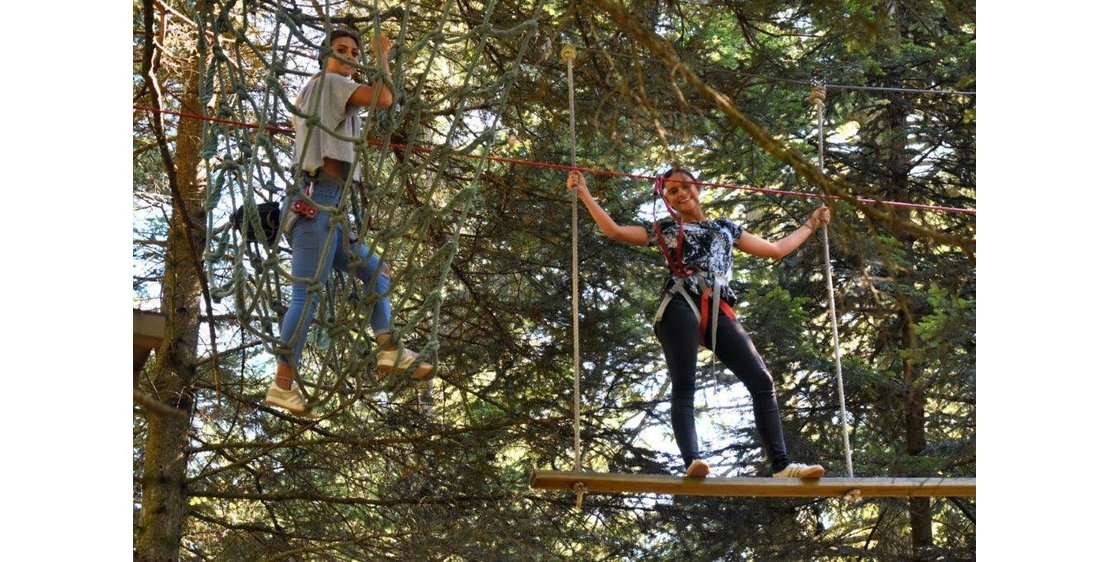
(706,247)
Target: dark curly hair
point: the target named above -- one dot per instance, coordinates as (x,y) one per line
(676,170)
(335,34)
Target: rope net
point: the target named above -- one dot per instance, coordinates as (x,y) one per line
(410,207)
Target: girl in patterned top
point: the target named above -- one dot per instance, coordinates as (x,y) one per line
(698,252)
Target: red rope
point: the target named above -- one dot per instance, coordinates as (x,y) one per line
(425,150)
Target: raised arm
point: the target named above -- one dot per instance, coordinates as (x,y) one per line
(377,94)
(757,246)
(632,234)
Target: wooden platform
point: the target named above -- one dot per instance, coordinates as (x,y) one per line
(149,328)
(599,482)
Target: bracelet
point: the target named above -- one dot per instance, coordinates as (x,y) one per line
(810,227)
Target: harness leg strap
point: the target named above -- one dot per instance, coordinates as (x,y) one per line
(667,300)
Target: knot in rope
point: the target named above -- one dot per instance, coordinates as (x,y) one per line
(568,53)
(580,491)
(817,94)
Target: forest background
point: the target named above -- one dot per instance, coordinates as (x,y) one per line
(90,446)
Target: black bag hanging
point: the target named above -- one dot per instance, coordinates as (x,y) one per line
(269,213)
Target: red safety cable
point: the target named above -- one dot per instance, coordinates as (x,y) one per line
(594,171)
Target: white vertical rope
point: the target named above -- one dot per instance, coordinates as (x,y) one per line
(568,54)
(817,97)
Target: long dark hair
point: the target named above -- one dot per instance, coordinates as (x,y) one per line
(666,175)
(677,170)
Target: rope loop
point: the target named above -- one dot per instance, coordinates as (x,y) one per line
(568,53)
(817,93)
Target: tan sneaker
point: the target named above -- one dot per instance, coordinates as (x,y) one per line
(399,360)
(292,399)
(799,470)
(698,469)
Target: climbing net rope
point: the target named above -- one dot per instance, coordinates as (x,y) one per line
(409,206)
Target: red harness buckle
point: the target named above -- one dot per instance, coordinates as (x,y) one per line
(705,298)
(303,208)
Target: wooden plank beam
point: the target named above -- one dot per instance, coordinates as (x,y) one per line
(597,482)
(149,328)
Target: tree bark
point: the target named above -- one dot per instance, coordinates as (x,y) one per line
(921,516)
(920,509)
(164,498)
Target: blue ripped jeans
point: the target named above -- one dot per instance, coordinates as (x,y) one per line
(315,254)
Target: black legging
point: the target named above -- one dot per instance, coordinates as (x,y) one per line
(678,333)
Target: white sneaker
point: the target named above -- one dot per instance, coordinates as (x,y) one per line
(292,399)
(399,360)
(698,469)
(799,470)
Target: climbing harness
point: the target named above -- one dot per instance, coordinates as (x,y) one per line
(709,287)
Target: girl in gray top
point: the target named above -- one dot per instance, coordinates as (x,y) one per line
(324,149)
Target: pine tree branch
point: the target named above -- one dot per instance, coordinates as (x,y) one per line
(838,188)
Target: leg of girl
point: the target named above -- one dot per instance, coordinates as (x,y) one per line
(374,274)
(738,353)
(313,254)
(678,333)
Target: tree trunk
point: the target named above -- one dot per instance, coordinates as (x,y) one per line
(921,516)
(900,166)
(161,518)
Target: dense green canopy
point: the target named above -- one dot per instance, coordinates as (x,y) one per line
(440,471)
